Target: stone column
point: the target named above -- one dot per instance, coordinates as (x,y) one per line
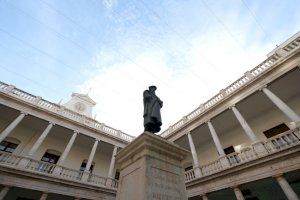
(111,168)
(282,106)
(91,157)
(287,189)
(238,193)
(112,163)
(24,161)
(222,156)
(89,162)
(257,145)
(11,126)
(58,167)
(249,132)
(67,149)
(194,156)
(40,140)
(44,196)
(204,197)
(4,191)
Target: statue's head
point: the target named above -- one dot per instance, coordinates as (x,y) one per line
(152,88)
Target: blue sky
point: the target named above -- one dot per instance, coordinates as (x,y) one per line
(190,49)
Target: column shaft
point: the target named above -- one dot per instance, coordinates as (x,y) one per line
(194,156)
(216,139)
(4,192)
(244,124)
(112,163)
(193,150)
(11,127)
(67,149)
(281,105)
(44,196)
(38,143)
(287,189)
(238,193)
(91,157)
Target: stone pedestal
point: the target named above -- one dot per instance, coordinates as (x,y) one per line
(150,169)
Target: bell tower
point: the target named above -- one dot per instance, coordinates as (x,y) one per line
(81,103)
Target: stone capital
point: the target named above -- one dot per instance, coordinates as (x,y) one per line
(264,86)
(277,175)
(23,112)
(230,107)
(52,123)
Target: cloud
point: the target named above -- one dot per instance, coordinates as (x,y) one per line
(187,71)
(109,3)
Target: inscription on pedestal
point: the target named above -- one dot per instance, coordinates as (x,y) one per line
(165,184)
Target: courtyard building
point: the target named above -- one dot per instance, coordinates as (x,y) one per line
(244,142)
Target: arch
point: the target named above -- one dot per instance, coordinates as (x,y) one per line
(54,152)
(12,140)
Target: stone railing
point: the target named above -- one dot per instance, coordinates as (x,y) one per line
(40,167)
(190,175)
(283,141)
(273,145)
(211,168)
(61,110)
(277,55)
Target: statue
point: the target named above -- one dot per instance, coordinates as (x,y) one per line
(152,106)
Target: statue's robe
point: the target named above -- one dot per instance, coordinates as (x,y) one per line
(152,106)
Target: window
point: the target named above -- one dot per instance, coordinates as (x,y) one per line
(276,130)
(50,158)
(229,150)
(9,144)
(117,176)
(83,166)
(188,168)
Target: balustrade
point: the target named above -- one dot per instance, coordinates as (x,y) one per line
(275,144)
(11,160)
(71,174)
(98,180)
(190,175)
(40,166)
(58,109)
(282,141)
(238,84)
(211,167)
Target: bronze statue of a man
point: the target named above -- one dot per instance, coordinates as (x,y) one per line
(152,106)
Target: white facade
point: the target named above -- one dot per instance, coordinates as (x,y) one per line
(235,153)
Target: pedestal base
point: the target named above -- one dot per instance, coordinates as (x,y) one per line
(151,169)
